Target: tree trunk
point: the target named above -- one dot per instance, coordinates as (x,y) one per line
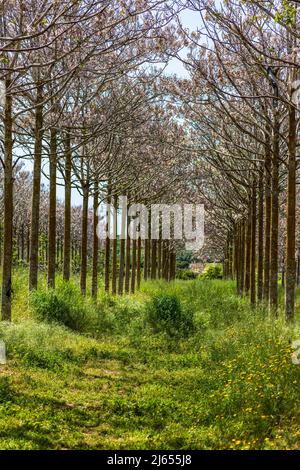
(28,246)
(138,274)
(159,254)
(253,246)
(84,222)
(166,259)
(153,259)
(268,171)
(298,267)
(146,257)
(260,261)
(36,190)
(52,209)
(22,244)
(237,257)
(242,253)
(291,218)
(127,266)
(95,243)
(283,273)
(133,269)
(274,219)
(107,243)
(248,251)
(122,252)
(172,264)
(67,210)
(230,256)
(225,264)
(115,247)
(8,206)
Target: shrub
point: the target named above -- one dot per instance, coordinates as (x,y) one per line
(185,274)
(47,345)
(65,305)
(5,390)
(165,313)
(212,271)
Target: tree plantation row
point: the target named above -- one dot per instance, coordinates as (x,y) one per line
(88,104)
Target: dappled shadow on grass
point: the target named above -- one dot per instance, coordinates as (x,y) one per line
(230,384)
(26,437)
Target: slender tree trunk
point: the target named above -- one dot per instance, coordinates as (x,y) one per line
(248,251)
(230,256)
(52,209)
(298,266)
(115,248)
(172,263)
(95,242)
(127,266)
(133,270)
(226,260)
(153,259)
(274,219)
(291,218)
(23,244)
(260,261)
(0,244)
(283,273)
(84,223)
(149,259)
(28,246)
(56,252)
(138,273)
(159,254)
(166,260)
(61,253)
(8,206)
(237,254)
(242,252)
(18,245)
(122,252)
(121,270)
(146,258)
(267,249)
(36,190)
(253,246)
(107,242)
(149,246)
(67,210)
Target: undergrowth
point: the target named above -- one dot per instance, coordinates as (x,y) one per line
(124,380)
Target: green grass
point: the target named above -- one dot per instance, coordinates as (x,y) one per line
(230,384)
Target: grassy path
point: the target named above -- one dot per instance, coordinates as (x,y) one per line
(229,385)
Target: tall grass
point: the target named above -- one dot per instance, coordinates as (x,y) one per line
(228,384)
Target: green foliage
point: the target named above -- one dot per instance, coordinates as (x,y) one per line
(47,346)
(5,390)
(65,305)
(287,15)
(185,274)
(75,263)
(184,259)
(211,271)
(165,313)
